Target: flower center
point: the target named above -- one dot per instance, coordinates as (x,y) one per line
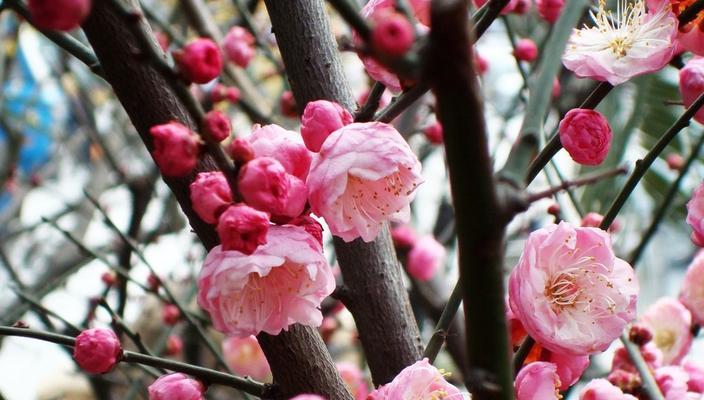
(562,290)
(622,28)
(664,339)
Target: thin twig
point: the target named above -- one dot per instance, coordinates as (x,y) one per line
(649,383)
(586,180)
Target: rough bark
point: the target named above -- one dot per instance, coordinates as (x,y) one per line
(148,99)
(374,293)
(480,215)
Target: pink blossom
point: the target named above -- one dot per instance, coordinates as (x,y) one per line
(60,15)
(695,215)
(570,291)
(692,84)
(622,45)
(538,380)
(266,186)
(210,195)
(421,9)
(354,379)
(586,135)
(418,381)
(308,397)
(550,10)
(425,258)
(601,389)
(176,386)
(175,148)
(221,92)
(695,372)
(109,278)
(246,357)
(670,323)
(526,50)
(320,119)
(281,283)
(199,61)
(640,334)
(170,314)
(97,350)
(240,150)
(239,46)
(392,33)
(285,146)
(672,381)
(364,175)
(217,125)
(434,133)
(627,381)
(692,292)
(241,228)
(404,237)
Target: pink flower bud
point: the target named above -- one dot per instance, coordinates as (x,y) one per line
(425,258)
(266,186)
(320,119)
(550,10)
(153,282)
(97,350)
(199,61)
(109,278)
(481,64)
(434,133)
(538,380)
(308,397)
(627,381)
(651,354)
(640,334)
(692,84)
(175,148)
(691,294)
(217,125)
(59,15)
(221,92)
(288,104)
(404,237)
(586,135)
(176,386)
(239,46)
(174,345)
(241,151)
(554,209)
(674,161)
(210,195)
(556,88)
(601,389)
(671,323)
(392,33)
(526,50)
(242,228)
(286,147)
(592,219)
(310,225)
(170,314)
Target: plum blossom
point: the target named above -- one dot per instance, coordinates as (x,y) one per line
(672,380)
(586,135)
(246,357)
(284,146)
(320,119)
(266,186)
(176,386)
(601,389)
(238,46)
(97,350)
(425,258)
(569,290)
(210,195)
(538,380)
(175,148)
(695,215)
(624,44)
(670,323)
(364,175)
(281,283)
(242,228)
(418,381)
(692,292)
(354,379)
(392,33)
(199,61)
(549,10)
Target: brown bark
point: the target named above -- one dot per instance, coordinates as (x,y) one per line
(375,294)
(148,99)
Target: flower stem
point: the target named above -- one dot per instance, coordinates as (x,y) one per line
(649,384)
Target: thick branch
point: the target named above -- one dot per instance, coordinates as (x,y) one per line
(480,218)
(378,300)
